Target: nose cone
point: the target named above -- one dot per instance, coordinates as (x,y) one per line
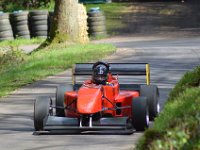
(89,100)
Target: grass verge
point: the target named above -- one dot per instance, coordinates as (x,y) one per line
(178,125)
(49,62)
(19,42)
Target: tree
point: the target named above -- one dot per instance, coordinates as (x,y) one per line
(69,22)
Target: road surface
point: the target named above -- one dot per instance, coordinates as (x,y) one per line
(169,59)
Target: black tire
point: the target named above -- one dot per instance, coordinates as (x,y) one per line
(21,28)
(98,33)
(97,29)
(95,14)
(40,33)
(41,112)
(4,22)
(5,28)
(4,16)
(20,18)
(96,19)
(42,17)
(25,32)
(152,94)
(39,22)
(19,23)
(24,13)
(98,23)
(60,91)
(6,38)
(39,28)
(38,13)
(140,113)
(24,36)
(5,34)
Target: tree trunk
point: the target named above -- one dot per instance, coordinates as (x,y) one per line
(69,22)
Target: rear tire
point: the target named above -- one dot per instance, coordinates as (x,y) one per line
(41,112)
(152,94)
(60,93)
(140,113)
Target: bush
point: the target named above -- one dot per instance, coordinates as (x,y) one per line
(10,56)
(12,5)
(190,79)
(178,125)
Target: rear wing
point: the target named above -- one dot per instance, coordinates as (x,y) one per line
(126,69)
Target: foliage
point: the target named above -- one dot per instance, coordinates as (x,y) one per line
(10,56)
(190,79)
(178,125)
(13,5)
(44,63)
(19,42)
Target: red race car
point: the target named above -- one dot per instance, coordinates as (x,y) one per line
(100,103)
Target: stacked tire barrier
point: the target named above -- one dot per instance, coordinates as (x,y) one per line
(6,32)
(96,23)
(39,23)
(20,25)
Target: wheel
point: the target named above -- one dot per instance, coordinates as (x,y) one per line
(60,92)
(24,13)
(7,33)
(95,14)
(40,22)
(140,113)
(40,33)
(4,16)
(41,112)
(152,94)
(38,12)
(20,18)
(21,28)
(18,23)
(41,17)
(4,22)
(5,27)
(39,28)
(103,33)
(97,29)
(96,19)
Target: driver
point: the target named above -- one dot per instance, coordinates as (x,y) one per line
(100,73)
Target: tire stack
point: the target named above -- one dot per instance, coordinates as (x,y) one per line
(6,32)
(20,24)
(96,23)
(39,23)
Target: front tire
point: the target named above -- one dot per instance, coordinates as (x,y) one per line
(140,113)
(60,93)
(41,112)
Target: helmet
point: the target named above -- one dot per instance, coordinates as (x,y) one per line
(100,72)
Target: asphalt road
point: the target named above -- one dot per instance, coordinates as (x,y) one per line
(169,59)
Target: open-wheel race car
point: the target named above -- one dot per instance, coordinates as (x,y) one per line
(100,103)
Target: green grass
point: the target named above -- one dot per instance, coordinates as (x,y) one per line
(177,126)
(49,62)
(20,42)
